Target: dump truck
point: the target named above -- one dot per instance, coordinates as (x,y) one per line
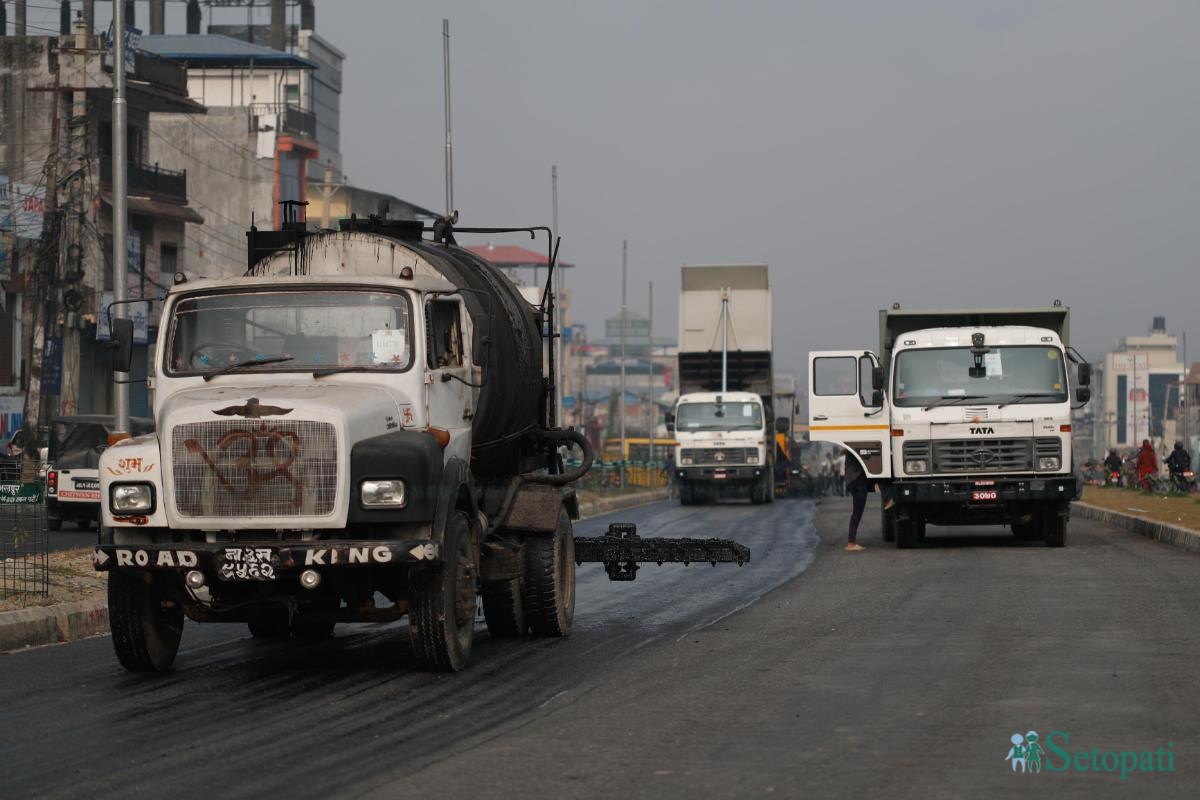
(360,428)
(723,420)
(963,417)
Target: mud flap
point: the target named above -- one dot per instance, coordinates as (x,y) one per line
(621,550)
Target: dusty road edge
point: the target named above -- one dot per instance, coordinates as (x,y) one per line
(1174,535)
(66,622)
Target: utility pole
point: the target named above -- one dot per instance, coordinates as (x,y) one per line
(650,408)
(327,195)
(449,145)
(120,208)
(558,295)
(621,404)
(38,404)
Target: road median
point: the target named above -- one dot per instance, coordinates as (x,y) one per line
(1174,535)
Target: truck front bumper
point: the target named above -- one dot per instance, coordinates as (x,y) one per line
(265,562)
(719,475)
(968,491)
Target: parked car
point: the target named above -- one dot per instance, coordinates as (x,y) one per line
(73,479)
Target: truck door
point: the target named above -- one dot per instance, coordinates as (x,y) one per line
(449,392)
(842,409)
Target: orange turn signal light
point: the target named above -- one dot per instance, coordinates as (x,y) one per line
(440,435)
(1065,428)
(897,431)
(118,436)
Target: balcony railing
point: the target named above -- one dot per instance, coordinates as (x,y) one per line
(289,119)
(148,179)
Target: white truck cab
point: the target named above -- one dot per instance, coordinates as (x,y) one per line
(723,441)
(965,424)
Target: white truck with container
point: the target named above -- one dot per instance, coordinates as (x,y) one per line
(723,420)
(358,429)
(963,415)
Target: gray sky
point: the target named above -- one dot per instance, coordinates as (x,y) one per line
(931,153)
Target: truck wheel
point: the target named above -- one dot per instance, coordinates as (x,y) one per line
(887,524)
(919,528)
(549,588)
(270,623)
(686,496)
(312,625)
(906,534)
(504,609)
(83,523)
(1054,529)
(54,523)
(441,602)
(144,633)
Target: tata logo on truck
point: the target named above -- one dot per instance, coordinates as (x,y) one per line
(982,431)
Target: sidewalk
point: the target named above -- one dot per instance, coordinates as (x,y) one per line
(65,622)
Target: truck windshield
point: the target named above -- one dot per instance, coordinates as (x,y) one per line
(1019,374)
(719,417)
(290,331)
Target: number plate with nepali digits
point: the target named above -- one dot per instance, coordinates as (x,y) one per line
(247,564)
(984,497)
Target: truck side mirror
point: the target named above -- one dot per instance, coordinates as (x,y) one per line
(1085,374)
(782,424)
(122,335)
(670,422)
(877,398)
(1083,394)
(877,378)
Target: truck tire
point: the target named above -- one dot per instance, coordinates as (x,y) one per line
(145,635)
(54,523)
(441,602)
(549,588)
(686,496)
(271,623)
(1054,529)
(504,609)
(887,525)
(906,534)
(919,526)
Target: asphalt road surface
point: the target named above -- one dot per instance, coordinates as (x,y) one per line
(811,672)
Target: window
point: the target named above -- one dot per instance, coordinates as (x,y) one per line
(866,383)
(1011,374)
(726,416)
(290,330)
(445,346)
(835,376)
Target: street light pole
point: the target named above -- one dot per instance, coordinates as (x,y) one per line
(446,100)
(120,207)
(558,296)
(621,403)
(650,415)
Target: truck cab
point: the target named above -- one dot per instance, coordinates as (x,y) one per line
(964,425)
(723,445)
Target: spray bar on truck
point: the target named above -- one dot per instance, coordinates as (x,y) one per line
(621,550)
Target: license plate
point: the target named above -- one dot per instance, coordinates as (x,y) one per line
(87,485)
(984,497)
(719,476)
(248,564)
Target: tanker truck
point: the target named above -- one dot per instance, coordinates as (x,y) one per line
(722,421)
(358,429)
(963,416)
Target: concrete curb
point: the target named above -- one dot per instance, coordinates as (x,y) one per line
(610,504)
(64,622)
(1174,535)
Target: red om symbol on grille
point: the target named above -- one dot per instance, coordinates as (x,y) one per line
(282,447)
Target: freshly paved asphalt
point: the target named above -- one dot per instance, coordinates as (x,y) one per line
(811,672)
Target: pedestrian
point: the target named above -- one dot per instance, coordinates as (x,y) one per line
(1179,462)
(669,468)
(1147,465)
(839,474)
(859,487)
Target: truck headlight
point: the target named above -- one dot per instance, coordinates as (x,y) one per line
(131,498)
(752,458)
(383,494)
(685,461)
(916,466)
(1048,463)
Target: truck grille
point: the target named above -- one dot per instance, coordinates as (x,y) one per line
(983,455)
(267,469)
(718,455)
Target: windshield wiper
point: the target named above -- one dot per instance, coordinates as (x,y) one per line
(953,398)
(250,362)
(1018,398)
(321,373)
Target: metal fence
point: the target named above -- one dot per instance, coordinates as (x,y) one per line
(608,475)
(24,544)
